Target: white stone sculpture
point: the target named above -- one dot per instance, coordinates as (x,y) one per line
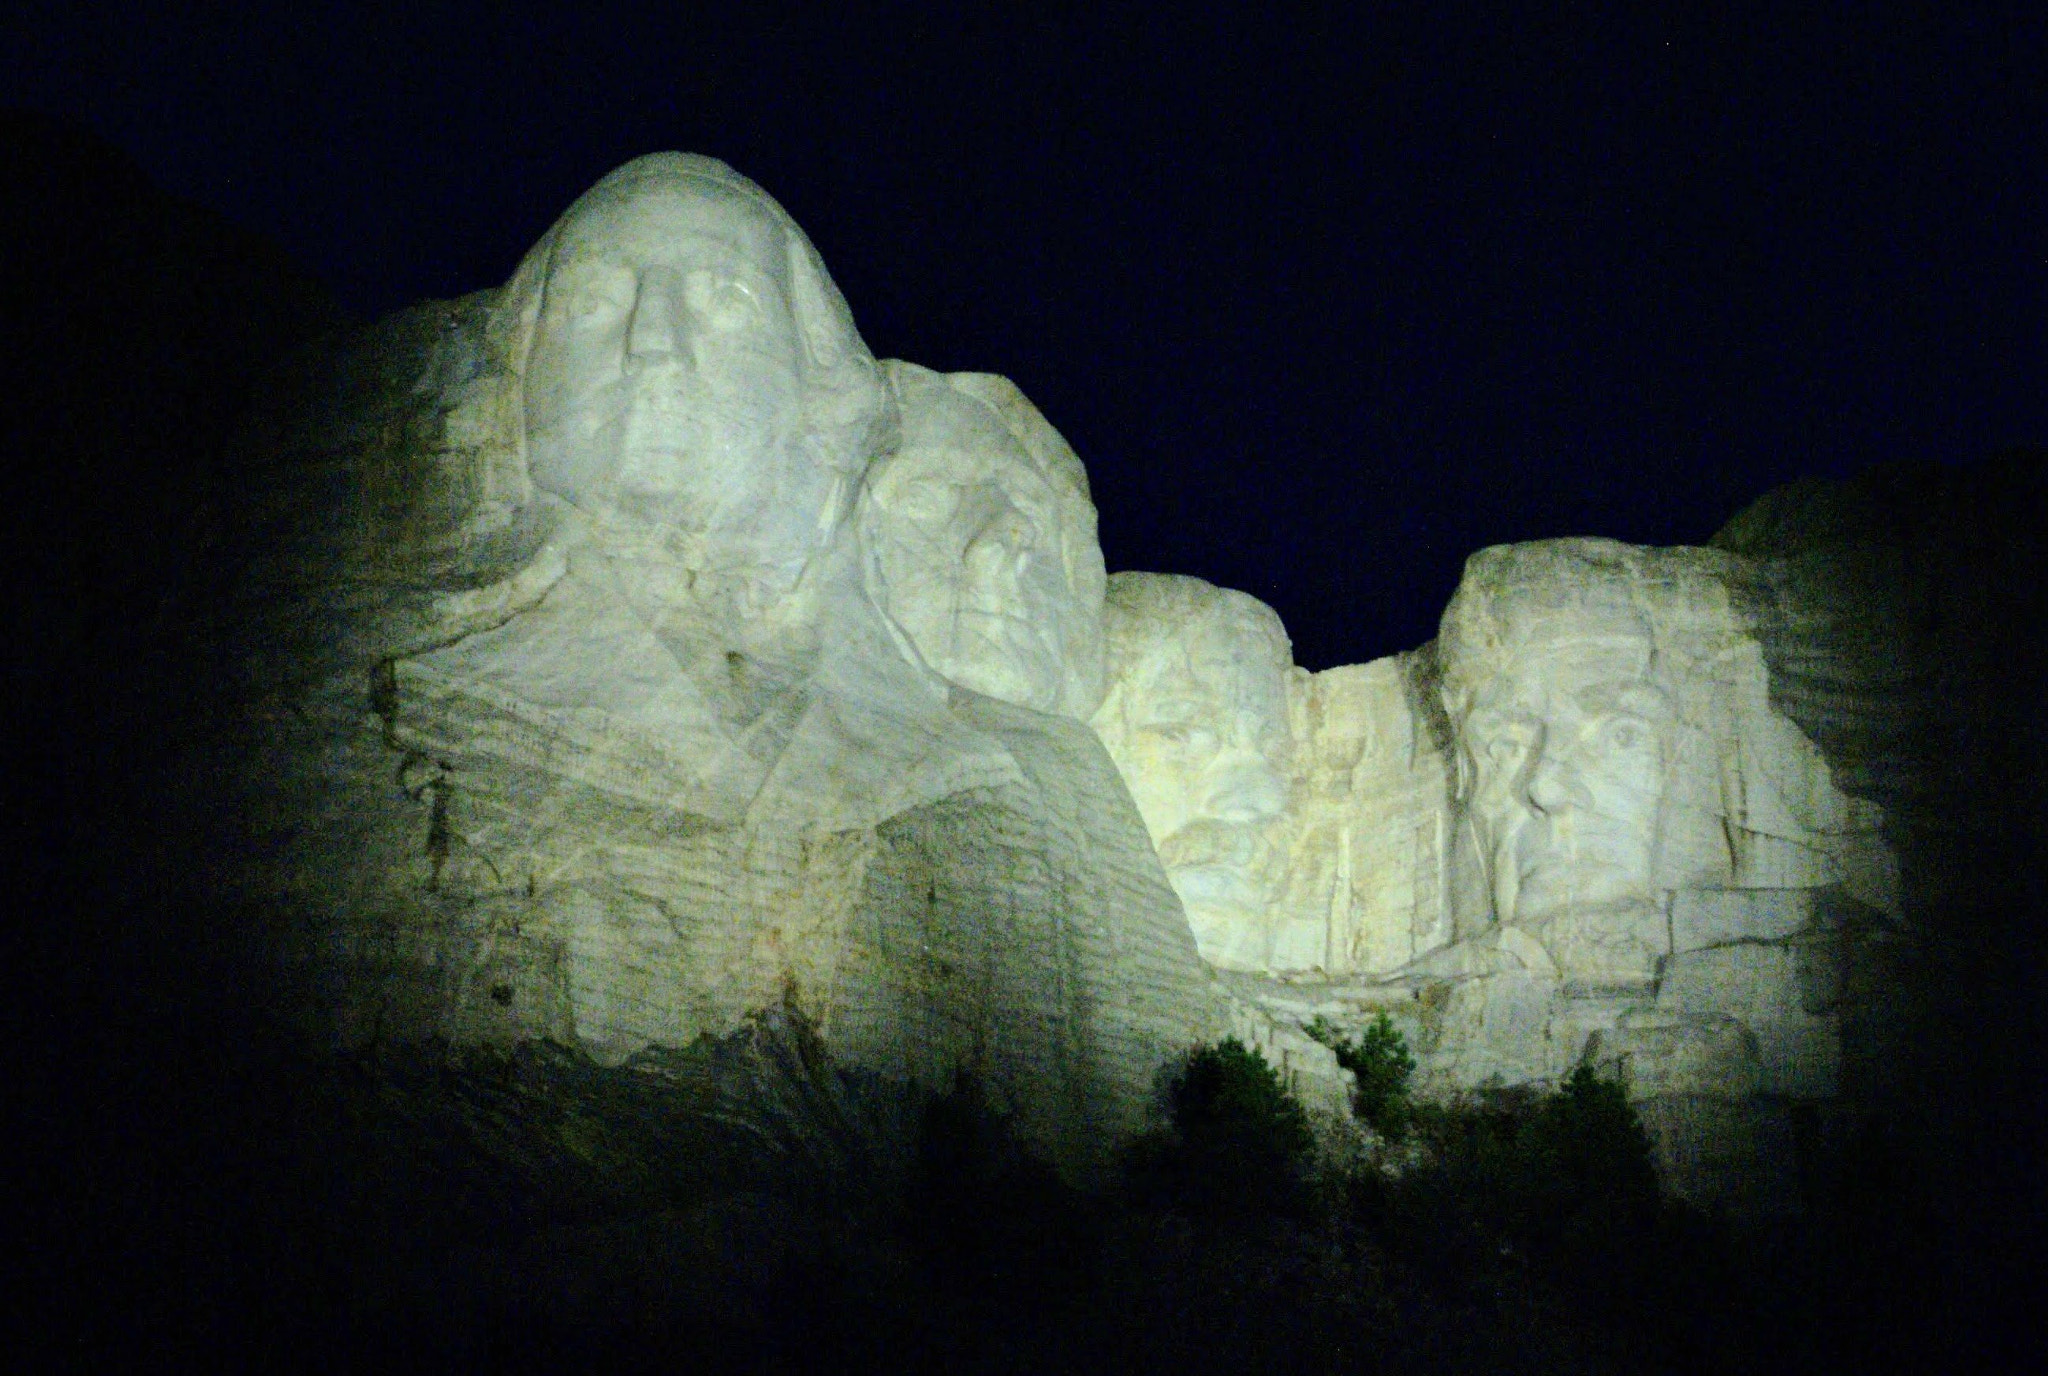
(1641,843)
(666,759)
(1302,817)
(1196,718)
(694,411)
(980,542)
(1617,748)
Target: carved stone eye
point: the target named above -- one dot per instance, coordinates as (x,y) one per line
(926,501)
(723,303)
(596,296)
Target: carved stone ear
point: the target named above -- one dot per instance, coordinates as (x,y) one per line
(819,308)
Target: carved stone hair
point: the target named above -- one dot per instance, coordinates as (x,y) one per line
(1142,613)
(1146,615)
(849,415)
(1669,610)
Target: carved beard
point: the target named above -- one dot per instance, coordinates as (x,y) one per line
(1555,880)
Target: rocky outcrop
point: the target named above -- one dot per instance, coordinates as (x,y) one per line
(569,713)
(625,651)
(1575,828)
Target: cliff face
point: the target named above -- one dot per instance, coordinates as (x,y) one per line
(473,792)
(1903,631)
(1903,628)
(426,848)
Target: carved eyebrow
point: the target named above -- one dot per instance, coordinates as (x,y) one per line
(1638,699)
(575,286)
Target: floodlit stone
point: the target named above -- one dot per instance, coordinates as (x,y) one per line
(1196,718)
(1497,1031)
(1771,991)
(1367,880)
(598,733)
(1701,918)
(1635,819)
(1617,746)
(644,655)
(980,542)
(1658,1052)
(1304,818)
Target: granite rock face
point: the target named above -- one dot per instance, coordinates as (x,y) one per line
(1577,826)
(980,542)
(1654,868)
(575,714)
(1902,625)
(1617,741)
(1196,717)
(1368,878)
(1303,818)
(625,651)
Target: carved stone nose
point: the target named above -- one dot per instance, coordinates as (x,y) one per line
(1547,789)
(1000,547)
(659,324)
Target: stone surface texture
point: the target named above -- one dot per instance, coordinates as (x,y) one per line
(1577,825)
(980,542)
(625,651)
(1196,717)
(574,715)
(1368,883)
(1617,744)
(1304,818)
(1652,867)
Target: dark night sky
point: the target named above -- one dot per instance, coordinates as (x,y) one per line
(1323,312)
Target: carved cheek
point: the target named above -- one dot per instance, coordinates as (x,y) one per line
(577,388)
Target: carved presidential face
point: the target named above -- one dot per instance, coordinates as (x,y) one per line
(1198,718)
(987,560)
(1565,753)
(665,380)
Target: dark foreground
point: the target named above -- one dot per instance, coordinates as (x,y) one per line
(746,1205)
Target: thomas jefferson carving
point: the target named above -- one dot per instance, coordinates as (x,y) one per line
(981,543)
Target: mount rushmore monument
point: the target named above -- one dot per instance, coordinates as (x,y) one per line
(630,651)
